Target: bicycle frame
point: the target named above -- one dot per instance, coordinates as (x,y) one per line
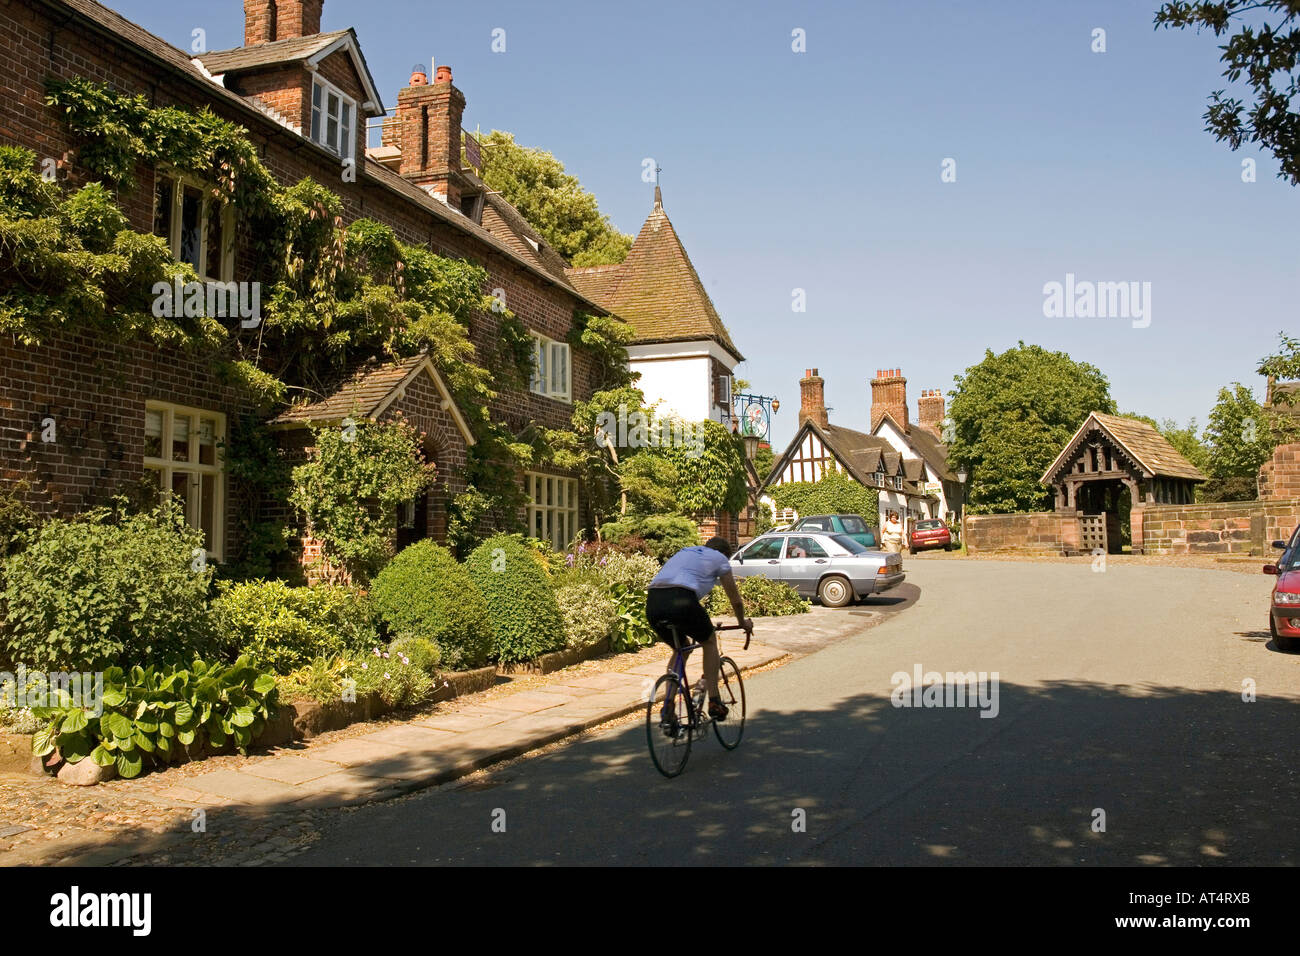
(678,667)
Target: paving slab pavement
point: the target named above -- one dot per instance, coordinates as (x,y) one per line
(438,748)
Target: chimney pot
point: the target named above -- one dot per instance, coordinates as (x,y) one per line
(419,77)
(443,75)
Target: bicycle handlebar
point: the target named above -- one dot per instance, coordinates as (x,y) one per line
(734,627)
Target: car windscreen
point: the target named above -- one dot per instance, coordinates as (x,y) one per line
(928,525)
(849,545)
(853,524)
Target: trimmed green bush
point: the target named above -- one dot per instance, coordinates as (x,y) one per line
(425,593)
(663,535)
(521,604)
(107,588)
(589,612)
(763,597)
(284,628)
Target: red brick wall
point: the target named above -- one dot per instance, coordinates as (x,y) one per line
(106,385)
(1280,475)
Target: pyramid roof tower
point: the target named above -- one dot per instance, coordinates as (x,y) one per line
(656,289)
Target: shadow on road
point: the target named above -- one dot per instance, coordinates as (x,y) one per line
(1175,777)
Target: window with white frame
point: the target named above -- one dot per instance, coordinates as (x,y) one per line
(198,229)
(182,454)
(552,508)
(550,368)
(333,118)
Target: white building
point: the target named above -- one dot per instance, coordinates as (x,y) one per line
(682,349)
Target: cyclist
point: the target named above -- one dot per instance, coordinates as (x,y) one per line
(674,599)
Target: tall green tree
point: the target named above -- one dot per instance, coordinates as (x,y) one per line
(1011,415)
(1265,51)
(553,202)
(1240,440)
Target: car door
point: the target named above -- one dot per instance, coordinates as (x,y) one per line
(805,560)
(760,557)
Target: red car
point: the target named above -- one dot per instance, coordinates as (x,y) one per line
(930,533)
(1284,614)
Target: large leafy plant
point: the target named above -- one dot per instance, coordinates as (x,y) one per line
(154,715)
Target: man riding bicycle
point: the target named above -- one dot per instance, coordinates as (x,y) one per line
(674,601)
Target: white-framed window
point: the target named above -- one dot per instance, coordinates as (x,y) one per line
(333,118)
(182,454)
(552,508)
(551,368)
(197,228)
(898,482)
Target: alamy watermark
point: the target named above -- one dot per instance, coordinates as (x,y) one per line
(951,689)
(1074,299)
(193,300)
(35,688)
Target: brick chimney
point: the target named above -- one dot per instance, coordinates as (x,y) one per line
(266,21)
(426,128)
(929,410)
(889,394)
(812,398)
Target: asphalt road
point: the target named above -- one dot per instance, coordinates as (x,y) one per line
(1119,693)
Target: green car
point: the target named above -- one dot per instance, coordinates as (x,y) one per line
(852,525)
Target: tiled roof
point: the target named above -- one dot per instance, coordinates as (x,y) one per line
(596,282)
(506,223)
(931,447)
(360,395)
(657,289)
(1144,445)
(862,454)
(265,54)
(368,391)
(115,25)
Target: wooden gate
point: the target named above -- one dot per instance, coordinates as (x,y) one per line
(1092,533)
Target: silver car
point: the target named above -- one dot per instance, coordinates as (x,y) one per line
(832,567)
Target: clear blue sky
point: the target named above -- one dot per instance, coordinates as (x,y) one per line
(821,171)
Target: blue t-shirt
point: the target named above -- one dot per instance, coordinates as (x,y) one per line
(695,568)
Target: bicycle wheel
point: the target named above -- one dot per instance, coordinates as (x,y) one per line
(667,726)
(731,690)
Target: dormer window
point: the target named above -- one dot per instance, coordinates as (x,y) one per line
(333,118)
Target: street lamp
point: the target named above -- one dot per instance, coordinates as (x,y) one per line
(962,475)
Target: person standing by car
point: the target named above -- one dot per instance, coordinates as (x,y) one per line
(674,601)
(892,533)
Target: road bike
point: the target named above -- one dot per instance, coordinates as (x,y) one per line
(676,714)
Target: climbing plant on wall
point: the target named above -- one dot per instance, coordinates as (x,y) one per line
(332,296)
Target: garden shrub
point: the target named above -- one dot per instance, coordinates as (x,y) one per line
(320,681)
(663,535)
(420,651)
(589,613)
(633,572)
(521,604)
(107,588)
(425,593)
(394,676)
(763,598)
(154,714)
(284,628)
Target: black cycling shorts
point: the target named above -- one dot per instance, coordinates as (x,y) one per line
(679,607)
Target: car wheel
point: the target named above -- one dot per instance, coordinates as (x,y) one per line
(947,547)
(835,591)
(1281,643)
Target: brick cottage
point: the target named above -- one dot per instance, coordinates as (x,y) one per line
(82,417)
